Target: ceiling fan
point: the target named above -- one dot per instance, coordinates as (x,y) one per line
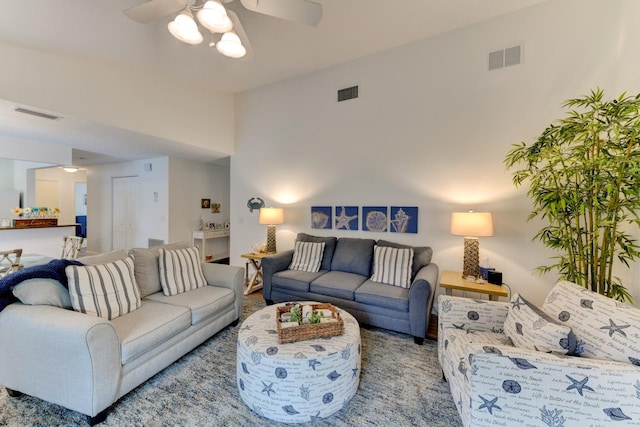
(212,15)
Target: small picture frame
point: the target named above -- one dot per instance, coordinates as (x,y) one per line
(215,207)
(205,203)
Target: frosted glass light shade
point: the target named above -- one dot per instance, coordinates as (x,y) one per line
(184,28)
(213,17)
(231,46)
(472,224)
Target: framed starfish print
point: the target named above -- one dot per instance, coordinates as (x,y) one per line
(346,217)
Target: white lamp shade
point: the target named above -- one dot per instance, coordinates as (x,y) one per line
(230,45)
(271,216)
(184,28)
(472,224)
(213,17)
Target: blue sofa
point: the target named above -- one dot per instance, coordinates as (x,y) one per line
(344,279)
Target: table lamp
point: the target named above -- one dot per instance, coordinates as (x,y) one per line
(471,225)
(271,217)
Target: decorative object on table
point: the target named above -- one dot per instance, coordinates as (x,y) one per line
(205,203)
(35,217)
(374,218)
(271,217)
(471,225)
(403,219)
(321,217)
(346,217)
(255,203)
(259,248)
(6,222)
(215,207)
(297,322)
(583,180)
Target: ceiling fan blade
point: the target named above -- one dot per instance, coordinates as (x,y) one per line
(301,11)
(239,30)
(152,10)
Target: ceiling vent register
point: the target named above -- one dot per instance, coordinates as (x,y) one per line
(505,57)
(347,93)
(36,113)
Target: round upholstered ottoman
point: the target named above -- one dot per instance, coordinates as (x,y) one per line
(300,381)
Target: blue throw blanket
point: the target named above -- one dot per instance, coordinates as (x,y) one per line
(54,269)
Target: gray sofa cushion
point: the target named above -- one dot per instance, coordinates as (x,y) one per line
(337,284)
(203,302)
(329,247)
(382,295)
(353,255)
(103,258)
(421,255)
(295,280)
(42,292)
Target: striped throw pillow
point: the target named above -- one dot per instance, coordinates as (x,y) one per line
(307,256)
(105,290)
(392,266)
(180,271)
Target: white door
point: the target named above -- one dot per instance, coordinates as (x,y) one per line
(125,221)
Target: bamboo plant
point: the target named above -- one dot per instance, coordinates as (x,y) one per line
(583,174)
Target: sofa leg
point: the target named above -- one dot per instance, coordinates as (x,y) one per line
(268,301)
(443,377)
(13,393)
(418,340)
(100,417)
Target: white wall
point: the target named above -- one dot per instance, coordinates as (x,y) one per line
(189,183)
(131,99)
(152,221)
(168,199)
(66,191)
(431,128)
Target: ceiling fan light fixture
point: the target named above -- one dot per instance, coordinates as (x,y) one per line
(213,17)
(231,46)
(184,28)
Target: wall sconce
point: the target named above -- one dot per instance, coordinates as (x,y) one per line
(271,217)
(471,225)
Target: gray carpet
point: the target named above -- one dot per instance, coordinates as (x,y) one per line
(400,385)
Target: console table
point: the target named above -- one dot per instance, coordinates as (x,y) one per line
(203,236)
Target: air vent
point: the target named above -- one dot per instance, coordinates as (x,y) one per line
(347,93)
(36,113)
(505,57)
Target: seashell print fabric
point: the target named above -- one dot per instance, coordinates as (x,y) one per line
(296,382)
(494,383)
(604,328)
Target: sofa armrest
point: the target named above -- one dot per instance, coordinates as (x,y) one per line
(61,356)
(421,294)
(226,276)
(270,266)
(535,385)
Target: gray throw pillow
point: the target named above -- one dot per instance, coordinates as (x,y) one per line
(147,269)
(421,255)
(42,292)
(353,255)
(103,258)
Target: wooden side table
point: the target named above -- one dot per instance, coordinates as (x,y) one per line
(256,280)
(450,280)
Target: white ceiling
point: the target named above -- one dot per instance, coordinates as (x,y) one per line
(98,30)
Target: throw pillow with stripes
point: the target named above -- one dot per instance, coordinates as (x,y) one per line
(307,256)
(105,290)
(392,266)
(180,271)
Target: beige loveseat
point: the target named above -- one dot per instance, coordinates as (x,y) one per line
(86,363)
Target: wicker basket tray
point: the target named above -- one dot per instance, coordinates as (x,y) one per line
(309,331)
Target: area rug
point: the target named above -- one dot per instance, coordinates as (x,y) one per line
(400,385)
